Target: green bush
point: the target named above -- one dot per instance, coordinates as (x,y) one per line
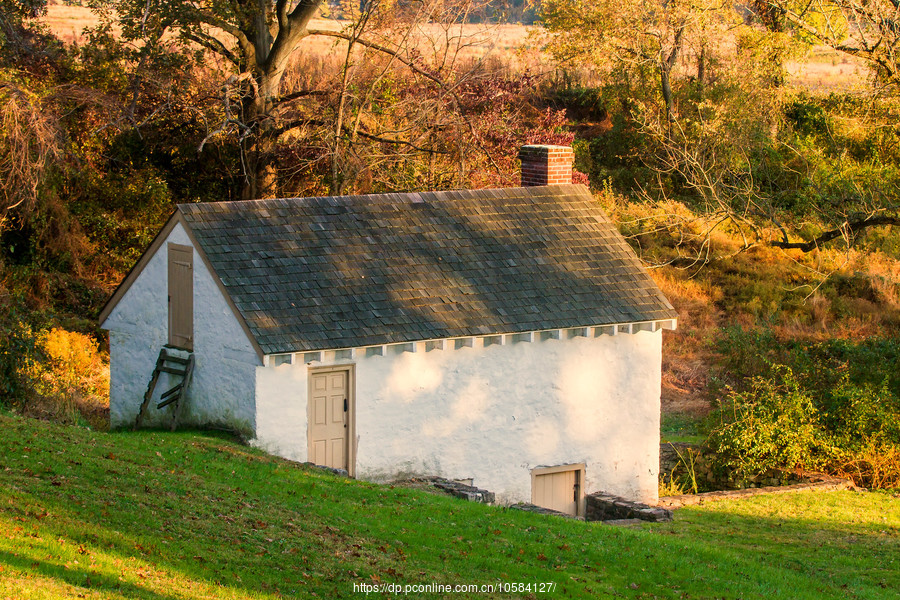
(18,348)
(832,406)
(861,415)
(774,424)
(807,116)
(820,366)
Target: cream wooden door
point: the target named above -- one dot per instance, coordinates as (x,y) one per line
(330,419)
(558,488)
(181,296)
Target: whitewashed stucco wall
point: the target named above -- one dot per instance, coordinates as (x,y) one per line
(223,384)
(492,413)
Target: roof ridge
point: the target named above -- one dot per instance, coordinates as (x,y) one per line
(383,197)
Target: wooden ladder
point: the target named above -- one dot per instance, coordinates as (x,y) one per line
(182,368)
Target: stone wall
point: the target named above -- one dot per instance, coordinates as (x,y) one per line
(606,507)
(822,483)
(668,456)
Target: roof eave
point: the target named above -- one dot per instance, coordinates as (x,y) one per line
(669,323)
(138,267)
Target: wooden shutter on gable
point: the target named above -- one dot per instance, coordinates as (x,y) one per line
(181,296)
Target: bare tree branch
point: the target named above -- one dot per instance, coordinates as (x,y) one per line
(29,142)
(212,44)
(415,69)
(297,123)
(848,230)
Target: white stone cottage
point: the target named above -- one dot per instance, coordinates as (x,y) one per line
(507,336)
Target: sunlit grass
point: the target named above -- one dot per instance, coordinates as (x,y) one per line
(681,427)
(191,515)
(839,539)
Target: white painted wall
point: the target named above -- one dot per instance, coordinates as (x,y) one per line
(223,385)
(492,413)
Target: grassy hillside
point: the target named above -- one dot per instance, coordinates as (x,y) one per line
(190,515)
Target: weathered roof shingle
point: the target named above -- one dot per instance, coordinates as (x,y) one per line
(339,272)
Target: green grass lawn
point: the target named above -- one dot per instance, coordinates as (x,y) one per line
(193,515)
(681,427)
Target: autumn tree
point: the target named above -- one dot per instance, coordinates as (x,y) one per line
(254,38)
(251,45)
(728,145)
(866,29)
(15,29)
(28,130)
(631,38)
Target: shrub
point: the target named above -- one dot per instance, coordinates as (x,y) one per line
(832,406)
(71,379)
(861,416)
(774,424)
(807,116)
(52,373)
(877,466)
(18,351)
(817,365)
(670,487)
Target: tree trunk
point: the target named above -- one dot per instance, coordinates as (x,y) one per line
(267,59)
(261,174)
(665,71)
(261,180)
(666,86)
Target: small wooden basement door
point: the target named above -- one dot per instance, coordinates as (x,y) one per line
(559,488)
(181,296)
(331,424)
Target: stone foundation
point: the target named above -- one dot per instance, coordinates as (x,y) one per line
(606,507)
(453,488)
(822,483)
(466,492)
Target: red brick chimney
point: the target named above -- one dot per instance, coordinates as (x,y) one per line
(546,165)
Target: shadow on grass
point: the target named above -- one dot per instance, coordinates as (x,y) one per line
(79,577)
(206,510)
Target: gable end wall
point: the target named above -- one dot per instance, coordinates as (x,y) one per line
(221,392)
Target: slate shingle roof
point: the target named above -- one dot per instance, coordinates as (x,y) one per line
(350,271)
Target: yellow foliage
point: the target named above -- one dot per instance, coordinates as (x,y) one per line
(72,379)
(875,467)
(676,284)
(670,487)
(884,275)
